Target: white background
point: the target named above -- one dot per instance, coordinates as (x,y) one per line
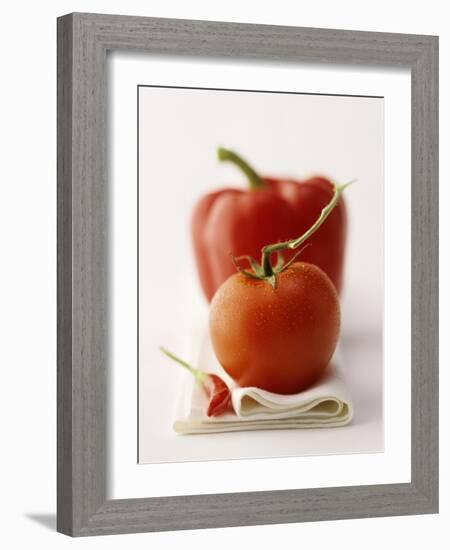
(341,137)
(28,299)
(364,287)
(364,251)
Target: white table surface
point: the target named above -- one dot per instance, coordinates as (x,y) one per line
(359,360)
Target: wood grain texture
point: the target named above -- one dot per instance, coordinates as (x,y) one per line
(83,40)
(82,276)
(425,273)
(64,295)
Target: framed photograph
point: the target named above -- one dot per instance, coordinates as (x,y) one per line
(247,274)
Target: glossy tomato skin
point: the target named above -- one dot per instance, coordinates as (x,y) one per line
(241,222)
(278,339)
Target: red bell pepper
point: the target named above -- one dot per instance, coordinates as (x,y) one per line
(237,222)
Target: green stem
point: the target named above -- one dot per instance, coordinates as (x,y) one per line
(295,243)
(255,181)
(198,374)
(266,265)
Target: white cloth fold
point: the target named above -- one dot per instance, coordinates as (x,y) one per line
(326,404)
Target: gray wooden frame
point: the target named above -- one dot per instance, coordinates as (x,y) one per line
(83,40)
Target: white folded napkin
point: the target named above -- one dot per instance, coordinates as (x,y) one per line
(327,404)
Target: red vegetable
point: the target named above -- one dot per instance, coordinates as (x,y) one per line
(215,388)
(238,222)
(276,327)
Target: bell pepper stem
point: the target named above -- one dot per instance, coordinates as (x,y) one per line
(295,243)
(198,374)
(255,181)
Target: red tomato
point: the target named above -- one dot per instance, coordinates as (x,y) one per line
(279,339)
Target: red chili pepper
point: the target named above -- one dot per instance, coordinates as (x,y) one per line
(217,391)
(242,221)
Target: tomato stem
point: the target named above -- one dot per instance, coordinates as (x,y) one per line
(266,265)
(295,243)
(198,374)
(255,181)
